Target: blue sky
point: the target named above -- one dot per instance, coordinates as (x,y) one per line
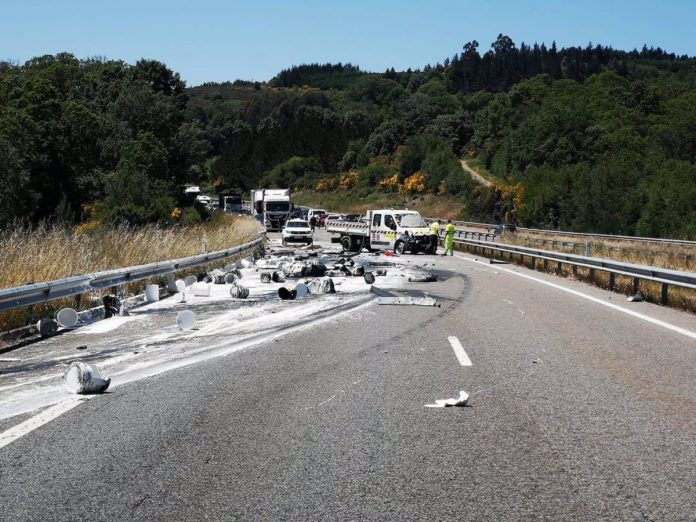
(225,40)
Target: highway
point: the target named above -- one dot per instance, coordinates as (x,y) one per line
(582,407)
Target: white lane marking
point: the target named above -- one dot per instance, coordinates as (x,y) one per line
(663,324)
(46,416)
(459,351)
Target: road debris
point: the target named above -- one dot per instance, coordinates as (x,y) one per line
(408,300)
(186,320)
(636,298)
(112,305)
(67,317)
(286,294)
(462,400)
(238,291)
(83,378)
(322,285)
(424,277)
(369,278)
(265,277)
(46,327)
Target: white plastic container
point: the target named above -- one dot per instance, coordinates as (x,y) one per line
(67,317)
(186,320)
(152,293)
(201,289)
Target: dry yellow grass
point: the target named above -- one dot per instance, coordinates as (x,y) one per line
(674,257)
(46,253)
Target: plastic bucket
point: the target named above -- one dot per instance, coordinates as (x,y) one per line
(46,327)
(286,294)
(152,293)
(301,290)
(201,289)
(67,317)
(186,320)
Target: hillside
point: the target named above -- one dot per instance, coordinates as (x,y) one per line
(582,138)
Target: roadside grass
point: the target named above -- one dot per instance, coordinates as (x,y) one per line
(45,253)
(674,257)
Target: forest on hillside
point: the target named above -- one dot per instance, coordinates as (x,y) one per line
(585,138)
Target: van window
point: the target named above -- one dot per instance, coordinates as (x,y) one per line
(389,221)
(376,220)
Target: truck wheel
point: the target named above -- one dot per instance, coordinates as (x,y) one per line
(347,243)
(283,242)
(400,247)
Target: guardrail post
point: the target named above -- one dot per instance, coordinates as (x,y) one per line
(575,270)
(665,293)
(546,265)
(559,267)
(636,285)
(612,280)
(592,275)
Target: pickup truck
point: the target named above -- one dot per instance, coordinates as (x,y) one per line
(386,229)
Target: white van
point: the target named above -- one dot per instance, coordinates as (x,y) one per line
(315,212)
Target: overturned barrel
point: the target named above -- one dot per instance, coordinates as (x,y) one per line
(286,295)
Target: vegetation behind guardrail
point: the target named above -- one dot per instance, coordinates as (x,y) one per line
(48,253)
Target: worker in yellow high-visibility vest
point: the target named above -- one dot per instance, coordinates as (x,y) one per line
(449,238)
(434,233)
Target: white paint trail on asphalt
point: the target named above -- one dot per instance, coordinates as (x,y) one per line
(46,416)
(459,351)
(647,318)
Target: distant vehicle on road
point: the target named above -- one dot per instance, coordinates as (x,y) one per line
(192,190)
(316,213)
(271,207)
(352,217)
(504,227)
(297,231)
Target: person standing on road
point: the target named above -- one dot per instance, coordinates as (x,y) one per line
(449,238)
(313,223)
(434,232)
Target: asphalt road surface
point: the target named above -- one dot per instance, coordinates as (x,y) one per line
(577,411)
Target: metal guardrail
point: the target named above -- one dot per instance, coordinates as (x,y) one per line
(11,298)
(664,276)
(587,235)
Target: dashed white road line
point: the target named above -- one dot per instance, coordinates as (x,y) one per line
(647,318)
(459,351)
(46,416)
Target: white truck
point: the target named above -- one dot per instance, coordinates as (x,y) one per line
(271,207)
(386,229)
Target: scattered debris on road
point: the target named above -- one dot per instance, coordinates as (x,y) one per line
(408,300)
(83,378)
(637,298)
(462,400)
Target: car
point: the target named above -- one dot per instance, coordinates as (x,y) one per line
(504,227)
(297,231)
(333,217)
(355,218)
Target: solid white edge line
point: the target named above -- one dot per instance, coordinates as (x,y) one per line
(46,416)
(462,357)
(668,326)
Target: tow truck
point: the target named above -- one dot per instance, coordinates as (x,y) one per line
(385,229)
